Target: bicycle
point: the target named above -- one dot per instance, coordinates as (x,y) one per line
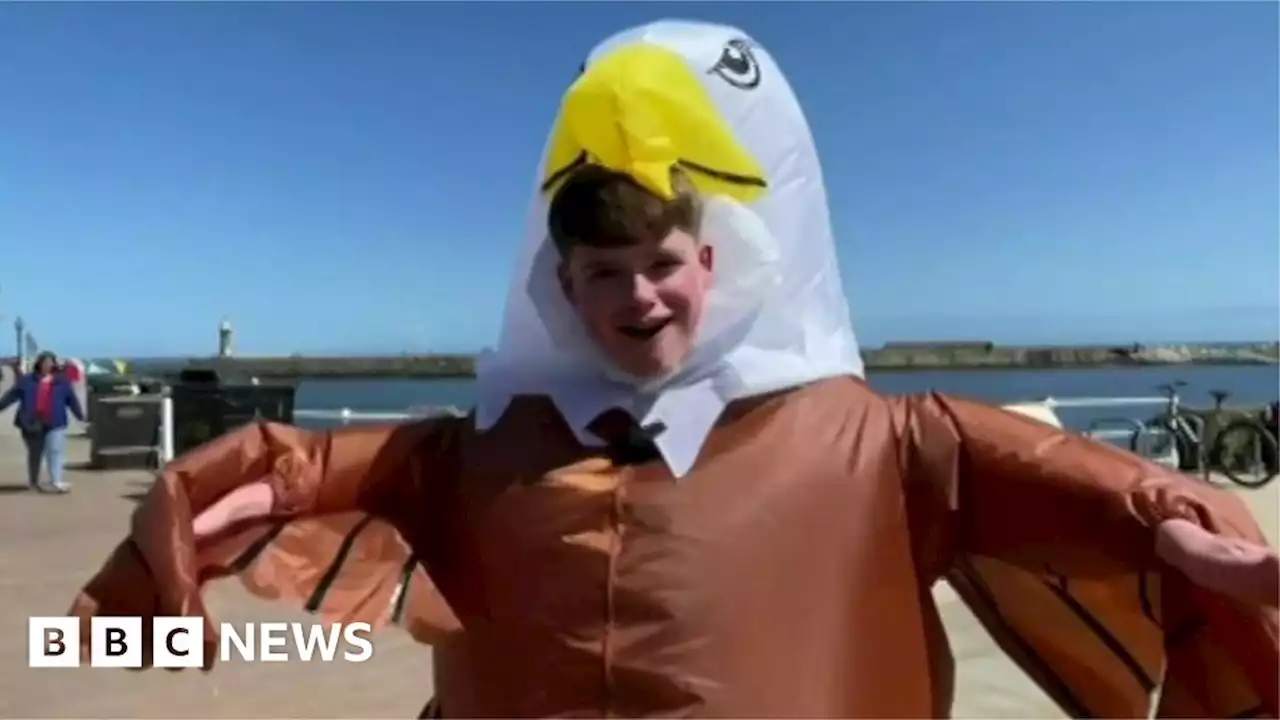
(1184,430)
(1246,439)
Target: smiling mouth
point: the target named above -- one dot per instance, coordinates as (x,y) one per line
(646,331)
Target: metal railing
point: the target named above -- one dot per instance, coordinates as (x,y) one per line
(1098,402)
(1134,427)
(165,450)
(347,415)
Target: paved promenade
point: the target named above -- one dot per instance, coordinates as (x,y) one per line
(53,543)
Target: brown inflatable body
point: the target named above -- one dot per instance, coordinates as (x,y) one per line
(788,575)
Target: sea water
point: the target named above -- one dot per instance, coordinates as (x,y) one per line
(1252,385)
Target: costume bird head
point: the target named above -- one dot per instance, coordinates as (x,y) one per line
(709,101)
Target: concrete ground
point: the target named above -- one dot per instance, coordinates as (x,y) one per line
(52,544)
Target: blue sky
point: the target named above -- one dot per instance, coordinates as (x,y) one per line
(353,177)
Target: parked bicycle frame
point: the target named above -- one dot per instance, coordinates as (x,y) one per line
(1245,438)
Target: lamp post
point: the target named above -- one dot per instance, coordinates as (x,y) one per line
(19,327)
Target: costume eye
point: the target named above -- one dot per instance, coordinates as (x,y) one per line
(737,65)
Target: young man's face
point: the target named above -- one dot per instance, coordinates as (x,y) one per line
(641,304)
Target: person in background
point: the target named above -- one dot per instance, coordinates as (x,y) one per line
(44,396)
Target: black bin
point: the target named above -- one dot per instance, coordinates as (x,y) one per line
(205,406)
(99,389)
(125,432)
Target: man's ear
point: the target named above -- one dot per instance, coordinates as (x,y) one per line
(706,257)
(566,282)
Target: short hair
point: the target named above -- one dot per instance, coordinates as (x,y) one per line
(603,208)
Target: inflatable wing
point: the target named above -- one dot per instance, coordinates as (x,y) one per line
(1050,539)
(351,503)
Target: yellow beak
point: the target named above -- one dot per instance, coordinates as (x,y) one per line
(642,111)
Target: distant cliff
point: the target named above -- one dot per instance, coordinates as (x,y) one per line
(893,356)
(967,356)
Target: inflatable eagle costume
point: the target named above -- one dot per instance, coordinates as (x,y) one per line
(770,549)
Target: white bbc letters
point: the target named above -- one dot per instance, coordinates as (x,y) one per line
(177,642)
(273,635)
(116,642)
(53,642)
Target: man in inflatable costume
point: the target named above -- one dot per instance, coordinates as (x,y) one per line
(677,496)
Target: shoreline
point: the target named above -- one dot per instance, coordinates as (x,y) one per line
(894,357)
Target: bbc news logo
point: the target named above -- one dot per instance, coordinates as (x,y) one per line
(178,642)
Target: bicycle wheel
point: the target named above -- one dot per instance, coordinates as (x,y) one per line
(1243,452)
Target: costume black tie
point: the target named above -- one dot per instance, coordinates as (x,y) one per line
(628,442)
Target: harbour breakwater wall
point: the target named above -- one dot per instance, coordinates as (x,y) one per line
(891,357)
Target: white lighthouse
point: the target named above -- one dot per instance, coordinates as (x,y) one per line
(224,339)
